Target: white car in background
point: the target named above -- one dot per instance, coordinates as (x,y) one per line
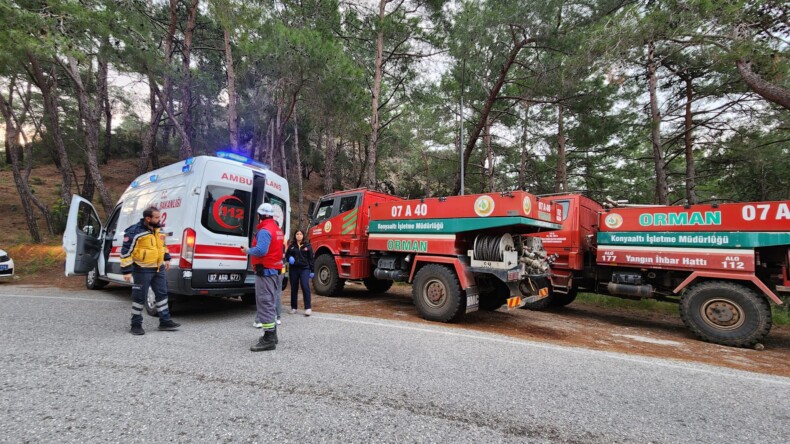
(6,266)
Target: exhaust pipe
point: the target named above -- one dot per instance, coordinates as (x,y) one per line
(640,291)
(390,275)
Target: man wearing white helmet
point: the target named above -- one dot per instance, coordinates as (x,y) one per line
(266,256)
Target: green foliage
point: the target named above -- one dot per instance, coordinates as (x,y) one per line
(588,58)
(60,215)
(641,305)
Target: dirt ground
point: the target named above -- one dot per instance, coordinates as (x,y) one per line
(623,330)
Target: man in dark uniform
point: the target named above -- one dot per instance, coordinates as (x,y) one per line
(145,258)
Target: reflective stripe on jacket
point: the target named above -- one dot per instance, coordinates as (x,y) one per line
(143,247)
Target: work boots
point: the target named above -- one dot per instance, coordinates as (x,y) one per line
(267,342)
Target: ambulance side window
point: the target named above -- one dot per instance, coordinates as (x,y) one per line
(347,203)
(280,209)
(88,221)
(324,210)
(112,223)
(225,210)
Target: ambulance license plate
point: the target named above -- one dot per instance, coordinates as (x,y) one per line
(224,277)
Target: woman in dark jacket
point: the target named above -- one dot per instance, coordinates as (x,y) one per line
(300,256)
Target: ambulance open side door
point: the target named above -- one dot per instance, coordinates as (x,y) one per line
(82,239)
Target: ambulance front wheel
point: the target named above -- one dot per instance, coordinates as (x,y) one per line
(726,313)
(327,282)
(92,281)
(437,294)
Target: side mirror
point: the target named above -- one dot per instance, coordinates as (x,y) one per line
(310,210)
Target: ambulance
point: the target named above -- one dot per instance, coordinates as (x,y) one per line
(207,207)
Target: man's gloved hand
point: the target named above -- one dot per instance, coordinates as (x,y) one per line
(312,275)
(291,260)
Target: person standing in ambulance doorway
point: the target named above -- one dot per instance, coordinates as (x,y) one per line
(266,256)
(145,258)
(300,256)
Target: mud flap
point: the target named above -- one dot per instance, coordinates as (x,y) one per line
(536,287)
(472,299)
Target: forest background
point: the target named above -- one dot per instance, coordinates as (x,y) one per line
(653,101)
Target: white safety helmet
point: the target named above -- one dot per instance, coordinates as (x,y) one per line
(266,209)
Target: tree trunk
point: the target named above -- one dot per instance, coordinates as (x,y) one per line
(88,187)
(329,162)
(186,85)
(769,91)
(233,118)
(561,172)
(299,184)
(427,172)
(662,193)
(369,171)
(12,132)
(104,67)
(691,194)
(149,136)
(488,105)
(490,153)
(47,85)
(91,117)
(522,168)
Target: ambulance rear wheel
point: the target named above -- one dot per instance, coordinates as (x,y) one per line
(377,286)
(437,294)
(150,303)
(248,299)
(726,313)
(326,281)
(92,281)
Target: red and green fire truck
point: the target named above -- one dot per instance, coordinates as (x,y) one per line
(724,264)
(460,253)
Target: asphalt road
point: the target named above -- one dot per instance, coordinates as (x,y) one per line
(71,372)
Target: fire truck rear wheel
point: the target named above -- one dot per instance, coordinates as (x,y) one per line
(377,286)
(326,280)
(494,296)
(437,294)
(561,300)
(726,313)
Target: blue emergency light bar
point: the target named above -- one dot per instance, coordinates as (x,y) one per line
(243,159)
(188,165)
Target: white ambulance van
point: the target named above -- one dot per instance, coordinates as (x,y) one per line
(207,207)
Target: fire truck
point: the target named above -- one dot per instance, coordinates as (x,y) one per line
(460,253)
(724,264)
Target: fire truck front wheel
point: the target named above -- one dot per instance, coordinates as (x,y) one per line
(726,313)
(437,294)
(327,282)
